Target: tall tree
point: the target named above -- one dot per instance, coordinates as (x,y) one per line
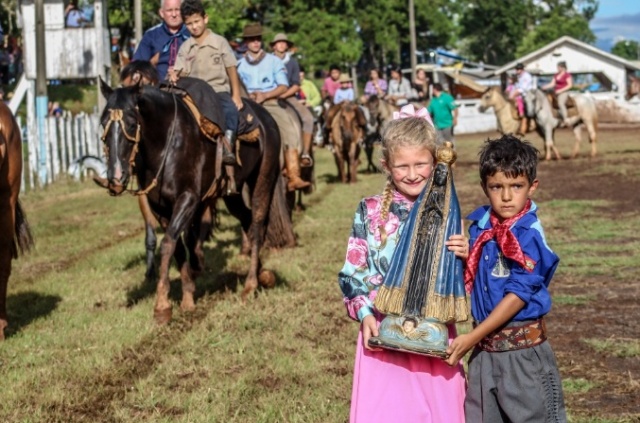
(493,28)
(627,49)
(557,18)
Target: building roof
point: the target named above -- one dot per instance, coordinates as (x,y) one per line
(572,41)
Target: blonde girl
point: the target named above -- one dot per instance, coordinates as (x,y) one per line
(391,386)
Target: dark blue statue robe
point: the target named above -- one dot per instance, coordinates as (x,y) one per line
(425,280)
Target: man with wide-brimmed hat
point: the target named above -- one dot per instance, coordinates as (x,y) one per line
(280,46)
(265,77)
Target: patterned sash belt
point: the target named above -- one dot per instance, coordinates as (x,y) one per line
(515,336)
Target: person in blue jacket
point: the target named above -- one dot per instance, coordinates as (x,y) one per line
(160,44)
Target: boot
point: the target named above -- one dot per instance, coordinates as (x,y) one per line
(293,170)
(523,125)
(229,157)
(305,159)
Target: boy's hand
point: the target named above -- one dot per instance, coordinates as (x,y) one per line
(173,76)
(369,329)
(237,101)
(459,245)
(458,348)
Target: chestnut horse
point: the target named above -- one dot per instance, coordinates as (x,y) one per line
(152,134)
(347,132)
(15,235)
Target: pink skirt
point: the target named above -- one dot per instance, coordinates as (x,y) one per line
(391,386)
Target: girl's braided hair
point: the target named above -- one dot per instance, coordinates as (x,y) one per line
(397,134)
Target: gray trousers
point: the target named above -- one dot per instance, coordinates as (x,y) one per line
(443,135)
(521,386)
(562,105)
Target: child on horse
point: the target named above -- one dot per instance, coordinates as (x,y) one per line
(393,386)
(209,57)
(513,375)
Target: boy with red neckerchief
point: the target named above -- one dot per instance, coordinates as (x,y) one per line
(513,375)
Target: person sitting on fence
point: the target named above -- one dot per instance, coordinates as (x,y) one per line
(73,15)
(399,88)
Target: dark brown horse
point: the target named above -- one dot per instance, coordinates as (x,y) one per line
(15,236)
(347,132)
(153,135)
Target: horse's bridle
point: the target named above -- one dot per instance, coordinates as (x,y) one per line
(116,115)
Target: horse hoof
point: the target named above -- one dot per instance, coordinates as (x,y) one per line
(246,293)
(187,306)
(267,278)
(162,317)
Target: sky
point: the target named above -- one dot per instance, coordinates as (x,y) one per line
(616,20)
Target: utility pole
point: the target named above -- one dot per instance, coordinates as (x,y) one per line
(412,34)
(137,12)
(41,91)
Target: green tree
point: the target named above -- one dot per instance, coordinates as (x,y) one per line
(492,29)
(627,49)
(559,18)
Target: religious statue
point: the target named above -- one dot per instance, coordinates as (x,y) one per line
(423,290)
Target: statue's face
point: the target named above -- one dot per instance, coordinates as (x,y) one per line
(440,176)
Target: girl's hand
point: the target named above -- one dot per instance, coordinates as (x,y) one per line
(369,329)
(459,244)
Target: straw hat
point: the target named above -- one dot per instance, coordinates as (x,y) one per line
(252,30)
(344,78)
(281,37)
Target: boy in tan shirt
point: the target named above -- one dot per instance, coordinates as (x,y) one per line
(209,57)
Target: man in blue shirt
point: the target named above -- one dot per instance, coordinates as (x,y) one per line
(265,78)
(160,44)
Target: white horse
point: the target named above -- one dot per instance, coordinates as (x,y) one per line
(539,107)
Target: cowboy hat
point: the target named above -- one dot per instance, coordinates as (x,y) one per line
(281,37)
(344,78)
(519,66)
(252,30)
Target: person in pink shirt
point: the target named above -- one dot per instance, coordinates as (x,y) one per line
(561,83)
(331,83)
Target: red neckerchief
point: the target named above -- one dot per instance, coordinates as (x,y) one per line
(507,243)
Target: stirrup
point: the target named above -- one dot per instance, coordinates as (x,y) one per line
(228,158)
(305,157)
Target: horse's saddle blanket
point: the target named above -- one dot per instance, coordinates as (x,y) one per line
(571,105)
(206,107)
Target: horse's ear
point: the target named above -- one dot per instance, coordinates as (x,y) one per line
(105,89)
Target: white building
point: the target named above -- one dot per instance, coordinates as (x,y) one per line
(604,75)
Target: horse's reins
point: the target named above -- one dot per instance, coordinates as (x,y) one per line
(116,115)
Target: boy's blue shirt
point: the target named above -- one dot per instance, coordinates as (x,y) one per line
(493,282)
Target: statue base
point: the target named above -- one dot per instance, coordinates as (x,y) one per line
(414,335)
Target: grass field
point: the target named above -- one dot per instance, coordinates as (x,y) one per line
(82,345)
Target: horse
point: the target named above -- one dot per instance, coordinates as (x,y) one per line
(505,110)
(152,135)
(539,107)
(347,131)
(15,234)
(380,112)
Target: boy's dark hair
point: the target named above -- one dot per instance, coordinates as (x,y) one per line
(191,7)
(334,67)
(438,86)
(509,155)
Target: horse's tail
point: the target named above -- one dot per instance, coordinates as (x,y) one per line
(23,240)
(279,226)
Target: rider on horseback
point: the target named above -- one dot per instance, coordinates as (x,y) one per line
(209,57)
(561,83)
(265,78)
(524,85)
(280,46)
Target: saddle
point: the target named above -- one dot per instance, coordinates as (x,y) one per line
(204,104)
(571,106)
